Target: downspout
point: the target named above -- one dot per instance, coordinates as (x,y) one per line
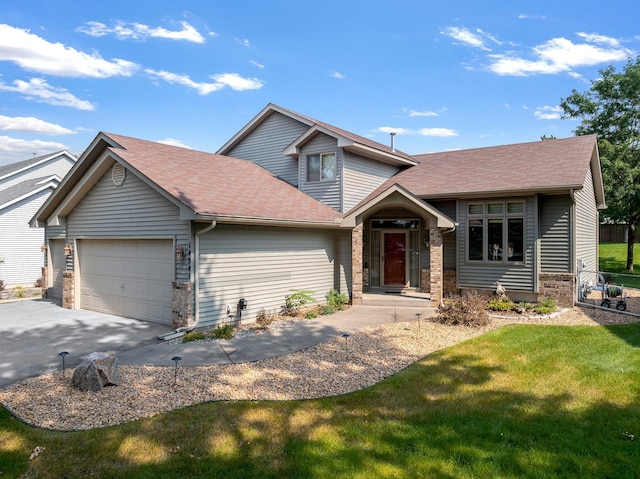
(194,263)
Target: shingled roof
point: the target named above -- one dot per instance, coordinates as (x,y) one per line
(552,165)
(221,186)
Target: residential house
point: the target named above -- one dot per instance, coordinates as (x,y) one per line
(24,186)
(184,237)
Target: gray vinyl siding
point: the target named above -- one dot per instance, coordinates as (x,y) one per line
(133,210)
(449,240)
(587,225)
(58,166)
(483,275)
(555,234)
(265,145)
(329,192)
(21,245)
(262,265)
(361,177)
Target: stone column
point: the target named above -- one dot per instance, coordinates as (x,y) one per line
(356,264)
(435,265)
(181,305)
(45,281)
(68,290)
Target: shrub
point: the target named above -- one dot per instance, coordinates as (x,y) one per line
(546,306)
(336,300)
(469,310)
(193,336)
(326,309)
(298,299)
(38,283)
(498,304)
(223,332)
(2,285)
(20,291)
(311,315)
(264,318)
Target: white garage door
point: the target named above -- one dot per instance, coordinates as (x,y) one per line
(130,278)
(58,262)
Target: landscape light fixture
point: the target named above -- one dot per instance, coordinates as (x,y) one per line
(175,375)
(62,354)
(346,343)
(418,315)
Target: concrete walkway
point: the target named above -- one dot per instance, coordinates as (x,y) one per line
(33,332)
(287,339)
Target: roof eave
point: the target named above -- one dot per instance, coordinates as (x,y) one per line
(257,221)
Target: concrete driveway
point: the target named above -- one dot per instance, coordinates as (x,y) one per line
(33,332)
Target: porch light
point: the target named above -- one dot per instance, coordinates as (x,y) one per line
(426,243)
(68,249)
(44,248)
(180,252)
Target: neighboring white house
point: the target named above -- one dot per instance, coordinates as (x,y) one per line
(24,187)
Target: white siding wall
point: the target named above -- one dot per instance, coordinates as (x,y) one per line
(587,225)
(329,192)
(21,245)
(361,177)
(262,265)
(58,166)
(133,210)
(265,144)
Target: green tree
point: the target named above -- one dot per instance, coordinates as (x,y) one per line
(611,110)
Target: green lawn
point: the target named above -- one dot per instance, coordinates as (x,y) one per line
(523,401)
(613,258)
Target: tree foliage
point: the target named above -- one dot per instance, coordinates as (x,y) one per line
(611,110)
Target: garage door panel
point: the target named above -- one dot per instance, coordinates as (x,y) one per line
(129,278)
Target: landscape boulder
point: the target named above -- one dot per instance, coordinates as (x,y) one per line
(97,371)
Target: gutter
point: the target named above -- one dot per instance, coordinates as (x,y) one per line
(178,333)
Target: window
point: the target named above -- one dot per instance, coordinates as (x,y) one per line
(321,167)
(495,231)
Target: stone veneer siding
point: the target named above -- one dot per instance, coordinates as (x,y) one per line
(45,281)
(357,265)
(559,286)
(435,260)
(449,282)
(181,305)
(68,290)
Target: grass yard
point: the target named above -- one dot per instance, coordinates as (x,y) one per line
(522,401)
(613,258)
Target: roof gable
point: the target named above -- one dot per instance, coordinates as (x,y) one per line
(26,189)
(15,169)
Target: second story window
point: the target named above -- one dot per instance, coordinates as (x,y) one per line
(321,167)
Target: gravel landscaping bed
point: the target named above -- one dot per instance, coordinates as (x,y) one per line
(332,368)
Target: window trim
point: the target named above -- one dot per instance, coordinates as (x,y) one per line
(320,159)
(504,216)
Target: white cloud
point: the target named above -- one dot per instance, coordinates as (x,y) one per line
(466,36)
(31,124)
(138,31)
(19,149)
(254,63)
(439,132)
(596,38)
(414,113)
(244,42)
(557,55)
(523,16)
(34,53)
(174,142)
(39,90)
(335,74)
(232,80)
(548,112)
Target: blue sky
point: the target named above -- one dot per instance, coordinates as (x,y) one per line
(444,75)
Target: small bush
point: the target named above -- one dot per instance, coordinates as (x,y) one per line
(336,300)
(500,304)
(20,291)
(298,299)
(223,332)
(467,310)
(193,336)
(38,283)
(546,306)
(264,318)
(311,315)
(326,309)
(2,285)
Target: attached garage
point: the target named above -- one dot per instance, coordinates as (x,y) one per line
(130,278)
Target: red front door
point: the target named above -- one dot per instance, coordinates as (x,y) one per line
(395,259)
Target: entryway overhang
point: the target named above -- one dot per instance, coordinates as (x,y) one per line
(434,221)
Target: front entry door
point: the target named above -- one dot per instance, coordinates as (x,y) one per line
(395,259)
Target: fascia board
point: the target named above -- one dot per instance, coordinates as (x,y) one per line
(42,187)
